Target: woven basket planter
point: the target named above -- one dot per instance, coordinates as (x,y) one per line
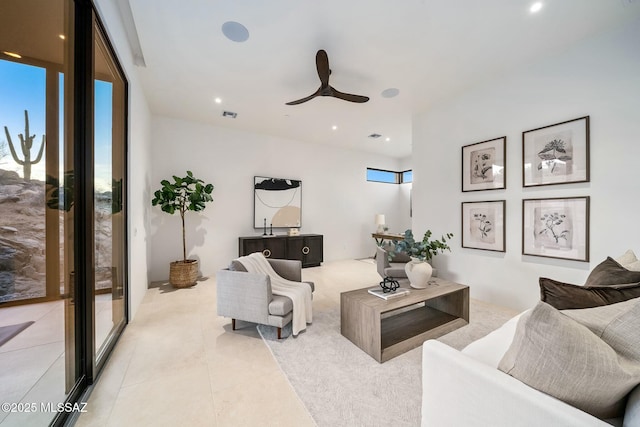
(183,274)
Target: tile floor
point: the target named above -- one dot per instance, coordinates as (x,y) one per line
(32,364)
(178,363)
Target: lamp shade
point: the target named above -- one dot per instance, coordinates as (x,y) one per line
(380,219)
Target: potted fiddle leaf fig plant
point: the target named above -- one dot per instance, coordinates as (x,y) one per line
(421,251)
(182,195)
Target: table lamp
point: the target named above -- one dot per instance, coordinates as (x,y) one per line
(380,223)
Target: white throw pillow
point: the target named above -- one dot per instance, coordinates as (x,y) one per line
(628,258)
(634,266)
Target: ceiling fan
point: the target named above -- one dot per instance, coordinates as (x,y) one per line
(322,65)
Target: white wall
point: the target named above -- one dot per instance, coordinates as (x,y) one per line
(337,201)
(139,172)
(599,78)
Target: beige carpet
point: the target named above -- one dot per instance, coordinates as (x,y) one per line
(342,386)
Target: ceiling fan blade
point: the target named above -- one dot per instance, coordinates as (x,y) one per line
(349,97)
(322,65)
(308,98)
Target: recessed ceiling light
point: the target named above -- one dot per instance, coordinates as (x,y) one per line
(334,127)
(390,93)
(387,139)
(218,101)
(11,54)
(535,7)
(235,31)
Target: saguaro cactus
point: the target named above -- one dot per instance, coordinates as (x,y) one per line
(26,143)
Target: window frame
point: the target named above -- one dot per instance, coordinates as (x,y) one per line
(398,176)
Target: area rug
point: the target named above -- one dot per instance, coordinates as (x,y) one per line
(10,331)
(341,385)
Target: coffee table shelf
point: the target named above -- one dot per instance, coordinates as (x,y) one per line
(386,329)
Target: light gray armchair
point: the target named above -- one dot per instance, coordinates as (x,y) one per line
(393,268)
(248,297)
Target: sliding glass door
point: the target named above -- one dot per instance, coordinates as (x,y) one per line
(38,352)
(109,171)
(62,206)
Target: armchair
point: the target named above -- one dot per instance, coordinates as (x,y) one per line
(394,268)
(248,296)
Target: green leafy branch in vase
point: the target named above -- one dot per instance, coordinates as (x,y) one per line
(550,222)
(424,249)
(553,153)
(484,225)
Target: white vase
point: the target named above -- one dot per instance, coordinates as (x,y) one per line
(419,273)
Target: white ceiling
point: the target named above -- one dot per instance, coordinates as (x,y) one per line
(430,50)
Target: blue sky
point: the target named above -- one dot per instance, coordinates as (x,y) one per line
(22,87)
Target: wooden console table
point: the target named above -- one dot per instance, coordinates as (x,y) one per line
(307,248)
(381,237)
(386,329)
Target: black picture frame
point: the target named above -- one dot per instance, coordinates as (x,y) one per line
(556,154)
(556,227)
(484,165)
(483,225)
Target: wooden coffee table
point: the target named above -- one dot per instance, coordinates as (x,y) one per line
(385,329)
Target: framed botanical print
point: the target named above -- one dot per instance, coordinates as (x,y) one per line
(483,225)
(556,228)
(483,165)
(556,154)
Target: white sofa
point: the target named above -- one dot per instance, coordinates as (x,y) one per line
(465,389)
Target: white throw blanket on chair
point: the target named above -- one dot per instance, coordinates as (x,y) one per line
(299,293)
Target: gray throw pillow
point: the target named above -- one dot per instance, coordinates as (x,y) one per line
(555,354)
(567,296)
(610,272)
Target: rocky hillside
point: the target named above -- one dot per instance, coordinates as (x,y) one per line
(22,238)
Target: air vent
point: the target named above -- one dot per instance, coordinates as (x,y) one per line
(375,135)
(229,114)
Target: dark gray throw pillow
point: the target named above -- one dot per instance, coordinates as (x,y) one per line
(567,296)
(610,272)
